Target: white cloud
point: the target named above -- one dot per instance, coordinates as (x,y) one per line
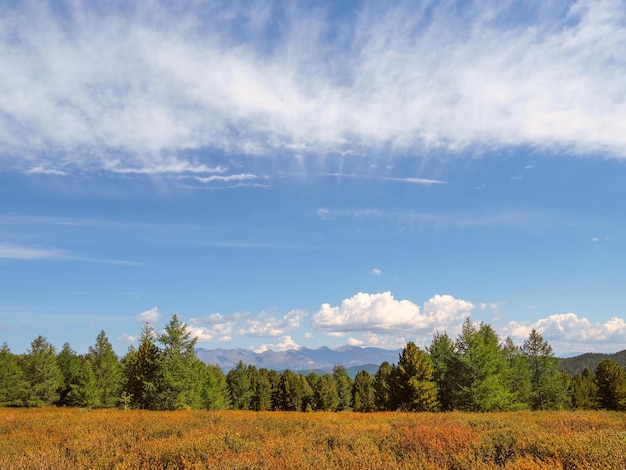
(285,343)
(383,314)
(567,332)
(126,338)
(15,252)
(40,170)
(215,333)
(157,81)
(149,316)
(376,272)
(266,325)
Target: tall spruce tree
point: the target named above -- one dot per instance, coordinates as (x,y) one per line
(175,384)
(383,387)
(70,364)
(548,387)
(483,370)
(415,388)
(444,359)
(518,376)
(344,387)
(363,392)
(42,375)
(326,397)
(107,371)
(240,387)
(611,385)
(584,391)
(142,367)
(216,395)
(12,385)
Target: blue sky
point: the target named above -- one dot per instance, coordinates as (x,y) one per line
(287,174)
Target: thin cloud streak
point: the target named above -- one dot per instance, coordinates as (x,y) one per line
(153,82)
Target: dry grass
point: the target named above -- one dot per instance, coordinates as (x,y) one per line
(111,439)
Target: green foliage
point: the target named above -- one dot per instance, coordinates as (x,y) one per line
(548,387)
(383,387)
(262,390)
(240,386)
(363,392)
(12,385)
(42,375)
(215,391)
(611,382)
(415,389)
(142,370)
(175,378)
(326,397)
(85,390)
(344,387)
(584,391)
(518,375)
(444,358)
(107,372)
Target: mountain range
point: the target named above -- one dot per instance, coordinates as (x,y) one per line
(303,359)
(355,358)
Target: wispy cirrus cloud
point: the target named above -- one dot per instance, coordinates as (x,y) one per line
(155,81)
(24,253)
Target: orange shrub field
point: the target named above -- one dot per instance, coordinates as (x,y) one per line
(69,438)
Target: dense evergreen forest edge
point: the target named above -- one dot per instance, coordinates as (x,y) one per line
(475,371)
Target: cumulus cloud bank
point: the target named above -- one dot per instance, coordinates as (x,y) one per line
(383,314)
(153,84)
(568,332)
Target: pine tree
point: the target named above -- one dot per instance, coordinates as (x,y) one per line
(107,371)
(442,354)
(482,370)
(240,386)
(415,387)
(363,392)
(519,375)
(262,391)
(84,390)
(175,385)
(326,397)
(383,387)
(69,363)
(216,393)
(41,374)
(611,383)
(344,387)
(584,391)
(548,388)
(12,385)
(142,370)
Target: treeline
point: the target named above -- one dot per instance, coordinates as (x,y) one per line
(473,372)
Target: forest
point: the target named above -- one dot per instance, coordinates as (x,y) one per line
(476,371)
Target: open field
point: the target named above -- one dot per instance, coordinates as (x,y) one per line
(110,439)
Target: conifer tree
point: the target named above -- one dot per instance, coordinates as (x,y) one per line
(519,375)
(240,386)
(383,387)
(175,371)
(41,374)
(69,364)
(444,359)
(216,394)
(107,371)
(611,385)
(584,391)
(363,392)
(415,388)
(12,384)
(344,387)
(142,370)
(262,391)
(548,387)
(326,397)
(84,390)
